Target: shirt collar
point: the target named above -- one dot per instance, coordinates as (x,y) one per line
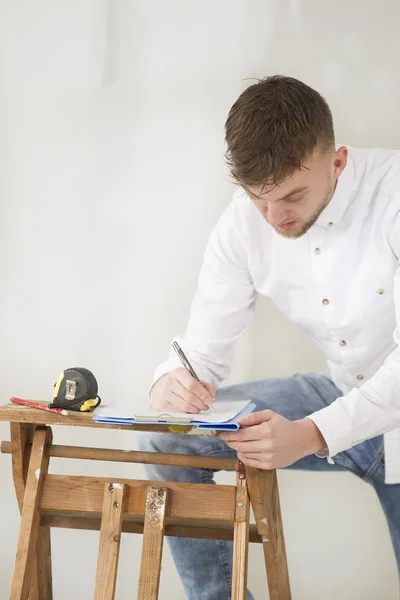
(332,214)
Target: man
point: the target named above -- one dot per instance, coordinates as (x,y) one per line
(316,228)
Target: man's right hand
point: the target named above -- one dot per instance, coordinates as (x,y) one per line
(177,391)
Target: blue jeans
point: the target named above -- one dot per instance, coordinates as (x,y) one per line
(205,566)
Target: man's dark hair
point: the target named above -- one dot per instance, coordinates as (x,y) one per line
(273,127)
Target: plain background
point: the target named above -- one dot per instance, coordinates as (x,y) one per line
(111,178)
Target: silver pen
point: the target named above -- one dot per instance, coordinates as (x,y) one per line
(185,361)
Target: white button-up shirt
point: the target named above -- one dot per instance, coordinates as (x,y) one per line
(340,283)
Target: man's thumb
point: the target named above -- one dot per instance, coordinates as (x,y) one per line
(256,418)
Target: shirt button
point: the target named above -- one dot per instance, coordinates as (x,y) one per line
(317,250)
(330,224)
(360,377)
(325,301)
(343,343)
(380,291)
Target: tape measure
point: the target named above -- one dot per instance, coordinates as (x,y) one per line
(76,389)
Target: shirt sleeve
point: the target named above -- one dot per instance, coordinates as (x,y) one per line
(223,305)
(374,408)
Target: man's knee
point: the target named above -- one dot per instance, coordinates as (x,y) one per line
(180,443)
(170,443)
(174,444)
(154,442)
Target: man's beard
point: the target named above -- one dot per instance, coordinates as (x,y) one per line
(310,222)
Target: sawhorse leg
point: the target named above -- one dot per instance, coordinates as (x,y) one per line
(264,496)
(36,579)
(240,537)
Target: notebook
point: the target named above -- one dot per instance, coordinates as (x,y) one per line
(224,418)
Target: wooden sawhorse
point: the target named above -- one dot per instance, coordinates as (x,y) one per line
(113,506)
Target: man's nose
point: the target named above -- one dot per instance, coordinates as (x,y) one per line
(275,214)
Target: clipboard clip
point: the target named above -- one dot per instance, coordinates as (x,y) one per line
(164,418)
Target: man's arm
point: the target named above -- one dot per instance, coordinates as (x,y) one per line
(223,305)
(374,408)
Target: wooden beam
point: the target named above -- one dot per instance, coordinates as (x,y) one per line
(173,527)
(84,495)
(134,456)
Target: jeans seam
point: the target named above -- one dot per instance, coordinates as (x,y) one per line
(204,476)
(349,466)
(212,452)
(217,452)
(375,465)
(225,564)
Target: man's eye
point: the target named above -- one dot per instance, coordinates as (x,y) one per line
(296,199)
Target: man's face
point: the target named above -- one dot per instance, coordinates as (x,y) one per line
(294,206)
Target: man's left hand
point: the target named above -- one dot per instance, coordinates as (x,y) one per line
(267,440)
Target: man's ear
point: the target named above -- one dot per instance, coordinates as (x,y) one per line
(340,161)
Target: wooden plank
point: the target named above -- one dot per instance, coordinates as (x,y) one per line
(241,539)
(20,447)
(264,495)
(153,540)
(110,538)
(84,495)
(134,456)
(23,414)
(30,518)
(173,527)
(41,579)
(20,436)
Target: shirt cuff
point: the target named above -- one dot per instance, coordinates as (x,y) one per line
(325,454)
(335,428)
(163,369)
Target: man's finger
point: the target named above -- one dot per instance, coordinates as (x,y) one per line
(256,418)
(252,446)
(190,398)
(260,456)
(178,404)
(255,460)
(243,435)
(210,388)
(193,386)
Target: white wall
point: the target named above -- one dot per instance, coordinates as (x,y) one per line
(112,174)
